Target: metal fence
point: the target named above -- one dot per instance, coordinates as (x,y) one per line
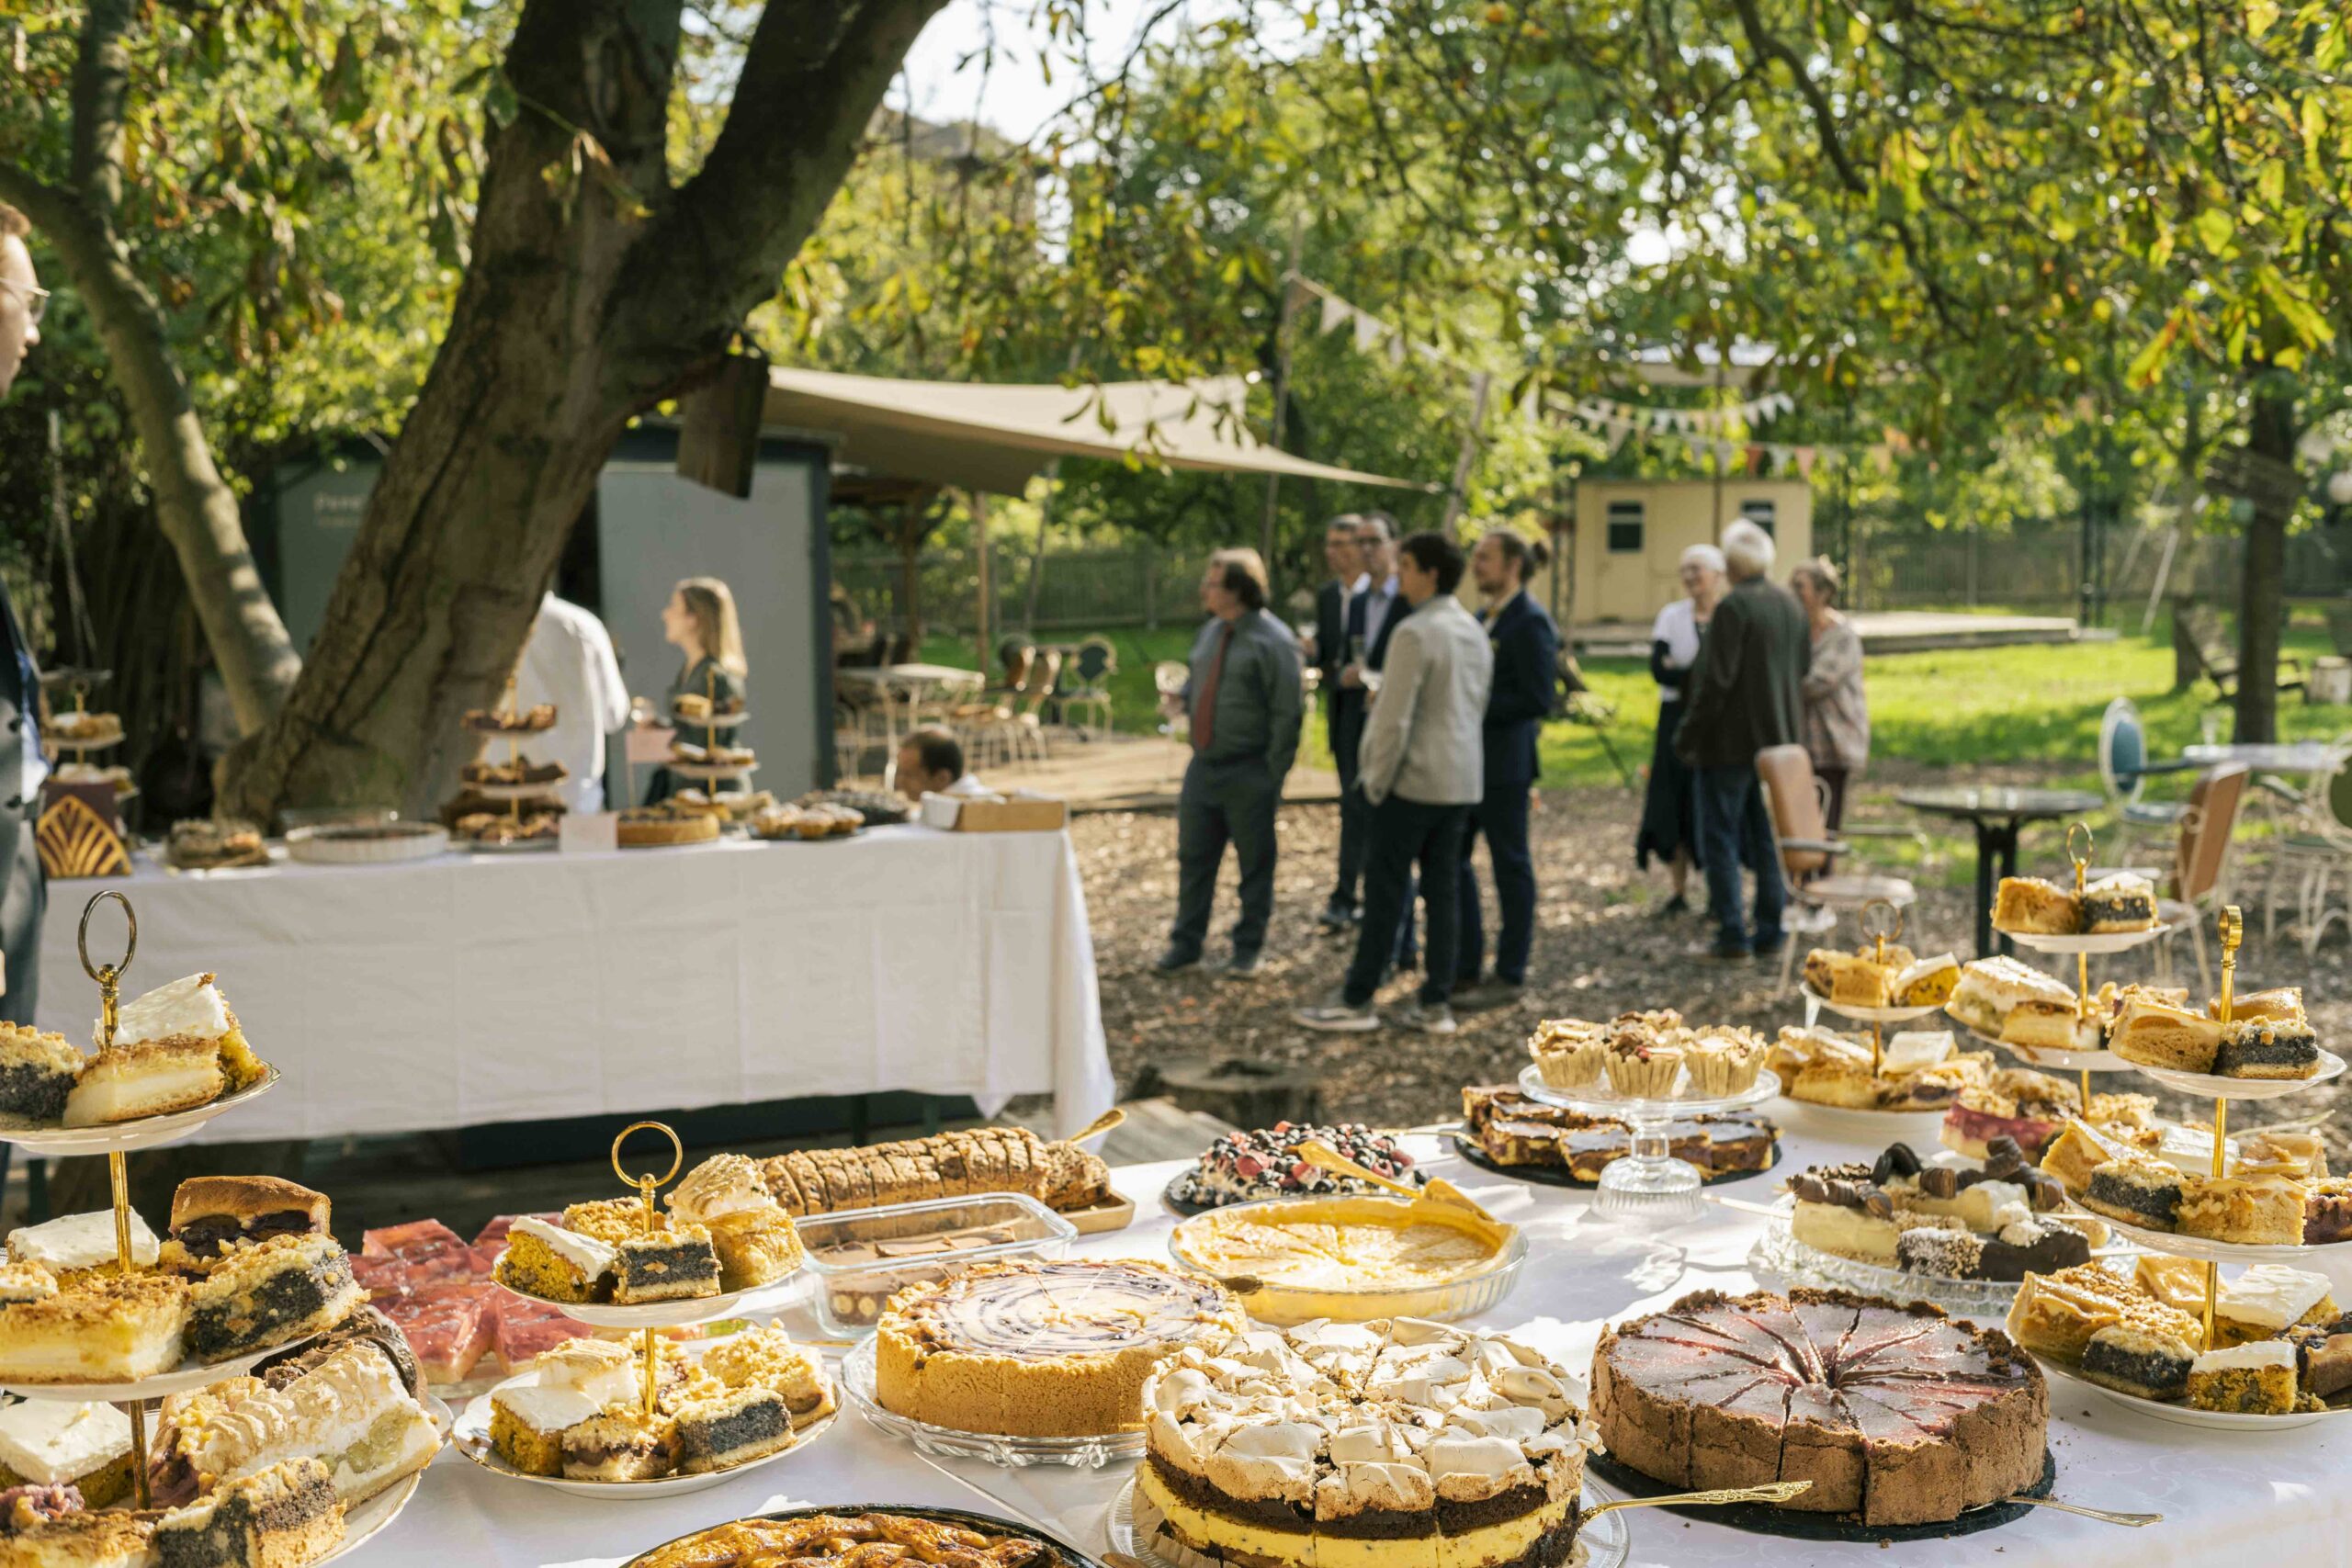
(1080,589)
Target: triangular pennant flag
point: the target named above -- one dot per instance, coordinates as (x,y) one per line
(1618,430)
(1754,456)
(1805,456)
(1369,332)
(1395,348)
(1335,315)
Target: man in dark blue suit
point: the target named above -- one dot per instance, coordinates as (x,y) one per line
(1342,709)
(23,891)
(1527,661)
(1374,609)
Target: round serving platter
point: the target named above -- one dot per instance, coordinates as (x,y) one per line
(858,1380)
(1763,1518)
(711,772)
(187,1375)
(1603,1543)
(1780,1251)
(708,721)
(471,1437)
(1851,1124)
(521,791)
(687,1312)
(1284,1304)
(2092,943)
(376,1515)
(1602,1100)
(1868,1015)
(146,1132)
(2211,1086)
(382,844)
(2049,1057)
(2184,1414)
(2204,1250)
(993,1523)
(1557,1175)
(542,845)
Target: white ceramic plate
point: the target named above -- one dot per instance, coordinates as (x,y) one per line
(376,1515)
(2103,941)
(1604,1543)
(2214,1088)
(519,791)
(1854,1126)
(1868,1015)
(147,1133)
(2206,1251)
(770,1298)
(179,1379)
(2185,1415)
(2050,1060)
(472,1439)
(1602,1099)
(412,841)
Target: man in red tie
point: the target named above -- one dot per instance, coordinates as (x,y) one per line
(1244,701)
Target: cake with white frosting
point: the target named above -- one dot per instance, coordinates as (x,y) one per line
(175,1048)
(73,1245)
(1397,1441)
(53,1442)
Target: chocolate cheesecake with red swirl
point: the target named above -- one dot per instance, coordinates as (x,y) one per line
(1054,1349)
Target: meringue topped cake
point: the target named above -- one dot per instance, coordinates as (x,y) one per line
(191,1008)
(349,1412)
(1396,1443)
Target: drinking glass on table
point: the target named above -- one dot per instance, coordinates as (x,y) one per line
(2209,724)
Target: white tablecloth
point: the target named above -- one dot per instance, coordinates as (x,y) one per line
(2280,1500)
(481,988)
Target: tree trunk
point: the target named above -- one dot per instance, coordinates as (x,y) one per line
(595,290)
(2262,592)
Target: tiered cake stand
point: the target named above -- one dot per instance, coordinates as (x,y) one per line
(515,795)
(104,741)
(2214,1253)
(1647,1182)
(2081,1063)
(1882,929)
(707,772)
(649,1318)
(116,1143)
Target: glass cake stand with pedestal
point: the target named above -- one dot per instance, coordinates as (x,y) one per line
(1647,1182)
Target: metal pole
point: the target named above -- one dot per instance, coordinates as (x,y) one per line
(980,554)
(1282,393)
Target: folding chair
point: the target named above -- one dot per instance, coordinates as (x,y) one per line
(1797,799)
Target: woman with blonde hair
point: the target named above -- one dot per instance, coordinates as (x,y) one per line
(1836,716)
(700,621)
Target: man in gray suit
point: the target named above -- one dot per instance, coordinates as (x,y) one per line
(1422,767)
(1244,698)
(22,765)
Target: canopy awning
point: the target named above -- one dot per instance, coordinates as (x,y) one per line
(996,437)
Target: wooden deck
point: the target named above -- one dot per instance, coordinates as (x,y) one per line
(1883,631)
(1126,773)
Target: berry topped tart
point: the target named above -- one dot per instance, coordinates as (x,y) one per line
(1242,1167)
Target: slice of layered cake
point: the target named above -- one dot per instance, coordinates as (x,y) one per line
(350,1413)
(731,1428)
(192,1008)
(570,1385)
(258,1296)
(50,1442)
(210,1214)
(109,1329)
(37,1071)
(74,1246)
(622,1443)
(284,1516)
(667,1266)
(749,1229)
(554,1263)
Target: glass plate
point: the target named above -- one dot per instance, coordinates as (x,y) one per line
(1604,1543)
(998,1449)
(1600,1100)
(1282,1305)
(1782,1254)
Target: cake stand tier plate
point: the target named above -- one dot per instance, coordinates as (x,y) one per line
(146,1132)
(2051,1058)
(1867,1014)
(1599,1099)
(2185,1415)
(472,1439)
(687,1312)
(1648,1183)
(2212,1087)
(712,773)
(858,1380)
(2093,943)
(519,791)
(1853,1124)
(1603,1543)
(376,1515)
(1468,1150)
(993,1523)
(708,721)
(2207,1251)
(187,1375)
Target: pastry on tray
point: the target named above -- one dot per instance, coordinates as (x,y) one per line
(2158,1034)
(1516,1131)
(2033,907)
(269,1292)
(205,843)
(1723,1062)
(53,1442)
(1243,1167)
(2018,1103)
(1989,990)
(748,1231)
(1947,1218)
(350,1411)
(651,826)
(1568,1052)
(1062,1176)
(1926,982)
(38,1073)
(278,1518)
(108,1328)
(522,770)
(833,1539)
(2119,903)
(213,1214)
(1919,1070)
(2266,1048)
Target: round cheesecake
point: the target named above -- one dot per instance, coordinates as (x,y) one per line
(1396,1443)
(1895,1413)
(1041,1349)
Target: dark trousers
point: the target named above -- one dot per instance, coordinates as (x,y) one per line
(1346,731)
(1835,779)
(1501,820)
(1404,833)
(1734,831)
(1228,802)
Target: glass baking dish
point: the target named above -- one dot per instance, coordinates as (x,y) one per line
(1284,1304)
(860,1257)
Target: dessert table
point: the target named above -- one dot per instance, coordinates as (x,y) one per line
(474,989)
(2219,1492)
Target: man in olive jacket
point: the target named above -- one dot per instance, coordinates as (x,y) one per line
(1746,692)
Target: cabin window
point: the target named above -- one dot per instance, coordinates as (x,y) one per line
(1760,513)
(1626,527)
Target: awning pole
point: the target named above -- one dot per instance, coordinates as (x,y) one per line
(980,554)
(1282,391)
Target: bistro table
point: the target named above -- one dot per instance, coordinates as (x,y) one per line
(1996,814)
(907,687)
(2304,757)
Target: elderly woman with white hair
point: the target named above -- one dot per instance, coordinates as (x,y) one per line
(1746,693)
(1669,828)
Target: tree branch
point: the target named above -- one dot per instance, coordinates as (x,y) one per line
(101,82)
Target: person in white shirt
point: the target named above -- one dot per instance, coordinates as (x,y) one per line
(931,761)
(569,661)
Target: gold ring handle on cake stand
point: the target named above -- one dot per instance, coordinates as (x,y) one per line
(1770,1492)
(1889,928)
(2082,960)
(109,979)
(646,1186)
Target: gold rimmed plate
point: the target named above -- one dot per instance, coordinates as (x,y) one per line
(2092,943)
(1869,1014)
(189,1374)
(2210,1086)
(688,1312)
(125,1138)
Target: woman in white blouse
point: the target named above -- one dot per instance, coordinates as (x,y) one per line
(1668,830)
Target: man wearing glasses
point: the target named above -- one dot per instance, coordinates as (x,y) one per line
(24,893)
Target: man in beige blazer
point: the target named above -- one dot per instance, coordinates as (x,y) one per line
(1422,767)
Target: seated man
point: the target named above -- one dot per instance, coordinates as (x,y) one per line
(931,761)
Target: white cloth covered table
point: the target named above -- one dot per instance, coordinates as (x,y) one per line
(2278,1499)
(482,988)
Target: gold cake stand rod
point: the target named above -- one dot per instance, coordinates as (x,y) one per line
(647,1185)
(2233,933)
(1878,956)
(2082,960)
(1770,1492)
(514,748)
(109,979)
